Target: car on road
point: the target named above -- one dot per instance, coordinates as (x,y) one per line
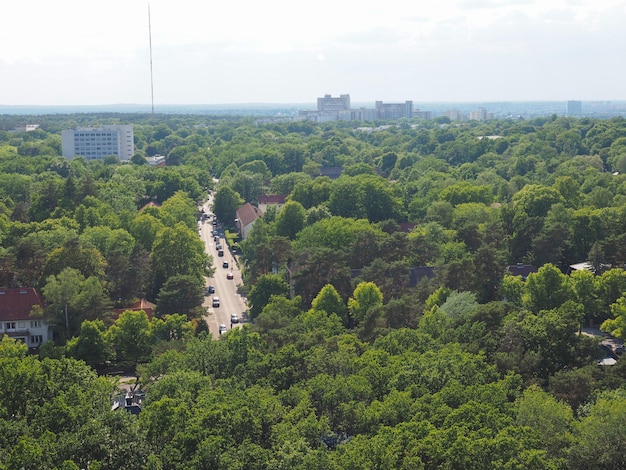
(223,329)
(220,253)
(216,301)
(225,264)
(219,247)
(229,275)
(234,318)
(210,289)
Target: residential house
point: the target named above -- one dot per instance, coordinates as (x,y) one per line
(141,304)
(521,269)
(246,216)
(277,200)
(16,321)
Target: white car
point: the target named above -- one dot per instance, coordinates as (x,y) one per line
(234,318)
(216,301)
(223,329)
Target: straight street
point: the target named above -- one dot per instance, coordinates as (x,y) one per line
(225,289)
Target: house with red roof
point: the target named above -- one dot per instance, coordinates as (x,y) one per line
(141,304)
(266,201)
(246,216)
(16,321)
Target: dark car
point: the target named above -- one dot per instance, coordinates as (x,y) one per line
(229,275)
(225,264)
(210,289)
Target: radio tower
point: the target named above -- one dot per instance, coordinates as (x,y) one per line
(151,79)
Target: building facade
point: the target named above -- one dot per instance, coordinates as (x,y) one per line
(16,321)
(574,108)
(328,104)
(96,143)
(387,111)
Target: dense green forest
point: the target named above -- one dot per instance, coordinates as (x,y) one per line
(348,361)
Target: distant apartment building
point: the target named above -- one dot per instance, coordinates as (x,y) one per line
(422,114)
(328,104)
(96,143)
(480,114)
(574,108)
(455,115)
(26,128)
(394,110)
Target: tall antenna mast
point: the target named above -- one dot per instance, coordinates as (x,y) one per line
(151,79)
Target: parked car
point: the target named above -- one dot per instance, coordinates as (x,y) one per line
(216,301)
(229,275)
(223,329)
(234,318)
(225,264)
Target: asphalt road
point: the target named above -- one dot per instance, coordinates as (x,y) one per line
(226,289)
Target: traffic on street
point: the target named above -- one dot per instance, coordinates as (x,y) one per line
(230,309)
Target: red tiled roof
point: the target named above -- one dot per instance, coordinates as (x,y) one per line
(141,304)
(16,304)
(272,199)
(247,214)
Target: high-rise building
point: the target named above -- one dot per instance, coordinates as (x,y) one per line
(480,114)
(328,104)
(95,143)
(394,110)
(574,108)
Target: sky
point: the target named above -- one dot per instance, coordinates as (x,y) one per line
(77,52)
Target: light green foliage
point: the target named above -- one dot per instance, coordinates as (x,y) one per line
(144,229)
(71,299)
(616,326)
(336,233)
(78,255)
(226,203)
(329,301)
(179,209)
(546,289)
(600,434)
(535,200)
(131,337)
(290,220)
(550,420)
(178,251)
(171,327)
(366,296)
(459,303)
(512,289)
(364,196)
(91,344)
(266,286)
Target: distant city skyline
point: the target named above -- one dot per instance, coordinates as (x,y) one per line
(72,52)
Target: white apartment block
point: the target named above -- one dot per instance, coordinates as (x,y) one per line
(95,143)
(329,104)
